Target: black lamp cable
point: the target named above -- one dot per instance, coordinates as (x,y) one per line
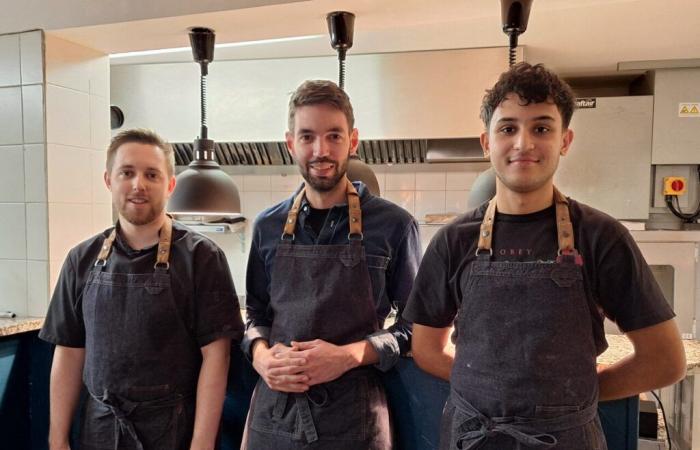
(203,104)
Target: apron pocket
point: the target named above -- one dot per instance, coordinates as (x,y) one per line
(274,412)
(345,415)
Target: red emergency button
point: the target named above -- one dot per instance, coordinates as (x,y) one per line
(674,186)
(677,185)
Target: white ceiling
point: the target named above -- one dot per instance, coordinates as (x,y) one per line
(574,37)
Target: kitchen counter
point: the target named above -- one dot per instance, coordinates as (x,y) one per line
(620,347)
(9,327)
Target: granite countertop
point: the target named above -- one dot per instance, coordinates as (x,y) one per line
(8,327)
(620,347)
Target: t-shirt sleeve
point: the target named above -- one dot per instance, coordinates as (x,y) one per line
(64,320)
(217,310)
(626,287)
(432,302)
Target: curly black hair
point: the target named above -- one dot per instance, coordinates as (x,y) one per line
(533,84)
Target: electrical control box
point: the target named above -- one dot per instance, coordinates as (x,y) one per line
(675,185)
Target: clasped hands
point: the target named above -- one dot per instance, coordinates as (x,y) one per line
(297,367)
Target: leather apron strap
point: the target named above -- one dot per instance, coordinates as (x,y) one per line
(164,240)
(565,230)
(354,213)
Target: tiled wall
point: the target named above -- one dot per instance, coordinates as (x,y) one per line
(55,115)
(420,189)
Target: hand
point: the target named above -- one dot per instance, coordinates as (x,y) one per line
(323,361)
(280,367)
(62,445)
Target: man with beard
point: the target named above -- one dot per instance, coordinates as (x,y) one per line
(143,314)
(326,266)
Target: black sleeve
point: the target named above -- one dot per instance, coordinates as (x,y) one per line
(626,288)
(432,301)
(257,299)
(217,311)
(64,320)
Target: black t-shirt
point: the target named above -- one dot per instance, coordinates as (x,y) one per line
(617,280)
(316,219)
(199,274)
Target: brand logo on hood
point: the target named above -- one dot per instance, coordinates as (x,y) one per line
(582,103)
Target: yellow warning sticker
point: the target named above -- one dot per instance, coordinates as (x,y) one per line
(689,109)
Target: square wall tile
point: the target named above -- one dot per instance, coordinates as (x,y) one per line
(252,203)
(37,288)
(33,113)
(31,46)
(54,272)
(456,201)
(13,285)
(405,199)
(285,182)
(68,64)
(461,181)
(100,132)
(69,224)
(37,231)
(11,115)
(256,183)
(35,173)
(430,181)
(67,170)
(99,74)
(9,55)
(101,217)
(100,193)
(67,116)
(399,181)
(11,173)
(13,233)
(429,202)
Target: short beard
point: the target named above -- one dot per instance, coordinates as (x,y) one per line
(325,184)
(136,219)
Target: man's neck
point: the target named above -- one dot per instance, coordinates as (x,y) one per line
(328,199)
(511,202)
(141,236)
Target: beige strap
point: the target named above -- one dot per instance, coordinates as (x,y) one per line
(106,247)
(565,230)
(354,212)
(163,255)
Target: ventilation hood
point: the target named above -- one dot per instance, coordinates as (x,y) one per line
(382,151)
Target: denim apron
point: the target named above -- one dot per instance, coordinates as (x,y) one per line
(524,374)
(141,360)
(321,292)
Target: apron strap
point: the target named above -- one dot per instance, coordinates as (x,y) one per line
(354,214)
(164,240)
(565,230)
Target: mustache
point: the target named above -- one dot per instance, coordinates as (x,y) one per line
(322,160)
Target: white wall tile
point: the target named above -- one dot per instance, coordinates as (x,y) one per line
(35,173)
(69,224)
(461,181)
(99,75)
(398,181)
(13,233)
(100,132)
(430,181)
(37,231)
(37,288)
(33,113)
(54,271)
(100,193)
(13,285)
(252,203)
(11,173)
(405,199)
(32,57)
(456,201)
(67,170)
(101,217)
(9,56)
(381,181)
(429,202)
(10,115)
(67,116)
(285,182)
(68,64)
(256,183)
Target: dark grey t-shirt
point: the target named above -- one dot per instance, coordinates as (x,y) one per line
(200,277)
(617,280)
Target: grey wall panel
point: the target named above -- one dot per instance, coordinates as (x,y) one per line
(608,166)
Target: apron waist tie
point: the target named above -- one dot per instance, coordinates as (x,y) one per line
(531,432)
(121,408)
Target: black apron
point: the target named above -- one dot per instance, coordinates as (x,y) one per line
(141,360)
(321,292)
(524,374)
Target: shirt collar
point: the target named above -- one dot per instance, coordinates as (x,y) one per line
(362,191)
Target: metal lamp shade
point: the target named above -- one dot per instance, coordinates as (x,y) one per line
(205,190)
(359,171)
(483,189)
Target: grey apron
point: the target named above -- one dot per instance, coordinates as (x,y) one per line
(524,375)
(141,360)
(321,292)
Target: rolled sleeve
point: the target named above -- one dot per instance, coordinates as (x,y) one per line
(387,347)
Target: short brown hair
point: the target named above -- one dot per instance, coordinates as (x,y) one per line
(141,136)
(320,92)
(533,84)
